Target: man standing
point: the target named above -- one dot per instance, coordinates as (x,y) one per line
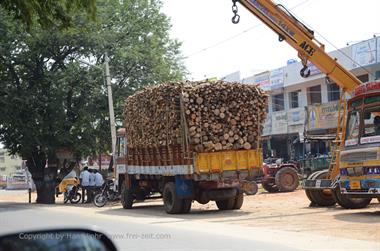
(98,179)
(84,178)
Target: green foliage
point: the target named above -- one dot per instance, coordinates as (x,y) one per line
(48,12)
(49,99)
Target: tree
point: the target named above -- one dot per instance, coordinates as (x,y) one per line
(50,100)
(48,12)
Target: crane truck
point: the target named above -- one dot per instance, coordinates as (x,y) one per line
(353,177)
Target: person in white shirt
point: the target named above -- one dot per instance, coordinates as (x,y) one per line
(92,177)
(84,178)
(98,179)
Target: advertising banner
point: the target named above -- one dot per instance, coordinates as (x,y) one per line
(277,79)
(267,130)
(378,49)
(364,53)
(296,120)
(323,116)
(263,80)
(279,122)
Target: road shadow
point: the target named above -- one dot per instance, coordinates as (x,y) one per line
(359,217)
(16,206)
(157,210)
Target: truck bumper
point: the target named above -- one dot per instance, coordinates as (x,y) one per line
(370,186)
(318,184)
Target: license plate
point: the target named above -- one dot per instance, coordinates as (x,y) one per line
(355,184)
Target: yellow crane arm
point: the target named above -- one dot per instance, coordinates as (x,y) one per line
(300,38)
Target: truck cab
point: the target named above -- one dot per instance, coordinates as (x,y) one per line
(359,160)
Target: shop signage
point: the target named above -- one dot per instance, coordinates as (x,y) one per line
(279,122)
(364,53)
(263,80)
(296,120)
(322,116)
(277,79)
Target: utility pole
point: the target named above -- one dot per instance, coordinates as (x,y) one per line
(110,107)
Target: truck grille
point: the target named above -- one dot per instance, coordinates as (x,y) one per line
(358,156)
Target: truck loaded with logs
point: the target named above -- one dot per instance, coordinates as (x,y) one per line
(191,141)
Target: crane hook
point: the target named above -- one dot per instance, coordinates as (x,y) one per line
(305,71)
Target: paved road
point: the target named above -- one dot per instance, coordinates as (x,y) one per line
(141,230)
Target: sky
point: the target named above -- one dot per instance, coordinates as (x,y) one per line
(214,47)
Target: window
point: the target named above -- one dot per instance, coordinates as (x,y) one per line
(294,99)
(278,102)
(352,129)
(314,95)
(363,78)
(333,92)
(371,122)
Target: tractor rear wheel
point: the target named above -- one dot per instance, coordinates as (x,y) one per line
(287,179)
(271,188)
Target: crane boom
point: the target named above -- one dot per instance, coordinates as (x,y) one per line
(300,38)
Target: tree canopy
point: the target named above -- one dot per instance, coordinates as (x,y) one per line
(52,91)
(48,12)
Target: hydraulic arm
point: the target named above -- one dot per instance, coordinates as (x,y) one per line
(301,38)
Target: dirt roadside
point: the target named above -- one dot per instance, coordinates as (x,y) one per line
(281,211)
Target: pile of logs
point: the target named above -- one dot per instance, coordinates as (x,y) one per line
(208,116)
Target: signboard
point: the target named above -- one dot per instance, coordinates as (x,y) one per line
(94,162)
(279,122)
(277,79)
(267,130)
(364,53)
(296,120)
(323,116)
(378,49)
(263,80)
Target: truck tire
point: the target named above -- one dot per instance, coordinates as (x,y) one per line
(186,206)
(286,179)
(172,204)
(227,204)
(350,203)
(239,199)
(270,188)
(127,197)
(324,198)
(308,192)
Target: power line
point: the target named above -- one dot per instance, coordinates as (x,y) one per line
(234,36)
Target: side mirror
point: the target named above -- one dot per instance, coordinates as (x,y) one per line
(65,240)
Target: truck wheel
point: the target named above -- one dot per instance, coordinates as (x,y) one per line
(287,179)
(186,206)
(323,197)
(127,197)
(350,203)
(227,204)
(308,192)
(172,204)
(271,188)
(239,199)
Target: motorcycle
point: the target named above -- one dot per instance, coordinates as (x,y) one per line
(70,189)
(106,193)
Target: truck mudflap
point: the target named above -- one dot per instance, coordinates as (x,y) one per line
(318,184)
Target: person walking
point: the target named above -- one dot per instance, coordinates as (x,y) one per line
(84,178)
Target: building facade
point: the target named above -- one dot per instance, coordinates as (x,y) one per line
(303,112)
(9,164)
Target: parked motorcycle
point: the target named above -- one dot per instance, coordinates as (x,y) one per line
(70,189)
(106,193)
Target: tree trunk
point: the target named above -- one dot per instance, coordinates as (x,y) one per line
(44,177)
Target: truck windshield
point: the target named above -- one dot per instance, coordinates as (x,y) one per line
(352,133)
(371,125)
